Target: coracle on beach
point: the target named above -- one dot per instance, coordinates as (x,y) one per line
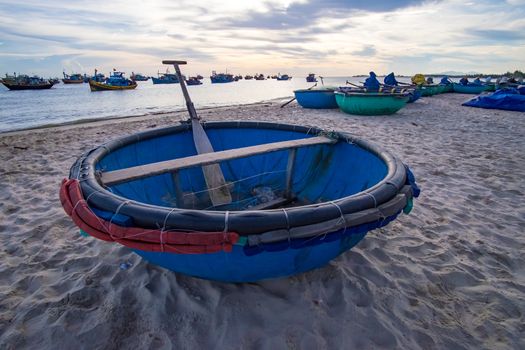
(292,197)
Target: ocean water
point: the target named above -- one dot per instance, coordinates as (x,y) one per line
(71,103)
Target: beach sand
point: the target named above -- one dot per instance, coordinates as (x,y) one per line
(451,275)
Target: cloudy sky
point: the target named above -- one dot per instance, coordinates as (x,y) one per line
(330,37)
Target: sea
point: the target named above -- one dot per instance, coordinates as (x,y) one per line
(64,104)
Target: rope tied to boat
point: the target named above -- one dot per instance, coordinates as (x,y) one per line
(374,198)
(163,229)
(155,240)
(226,217)
(287,224)
(342,218)
(115,214)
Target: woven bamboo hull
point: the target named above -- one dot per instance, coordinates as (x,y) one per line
(370,104)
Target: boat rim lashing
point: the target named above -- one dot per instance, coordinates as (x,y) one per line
(385,198)
(373,94)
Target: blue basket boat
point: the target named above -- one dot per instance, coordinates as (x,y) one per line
(469,88)
(294,208)
(322,98)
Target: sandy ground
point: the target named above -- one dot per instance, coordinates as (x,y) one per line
(451,275)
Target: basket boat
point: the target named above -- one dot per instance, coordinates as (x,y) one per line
(469,89)
(371,103)
(326,193)
(316,98)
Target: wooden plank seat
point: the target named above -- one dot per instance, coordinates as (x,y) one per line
(141,171)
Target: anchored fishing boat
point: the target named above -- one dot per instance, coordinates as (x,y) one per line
(138,77)
(219,78)
(76,78)
(316,98)
(98,77)
(311,78)
(283,77)
(236,201)
(361,102)
(25,82)
(116,81)
(165,78)
(193,81)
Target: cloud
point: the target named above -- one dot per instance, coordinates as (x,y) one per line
(298,15)
(368,50)
(329,37)
(498,35)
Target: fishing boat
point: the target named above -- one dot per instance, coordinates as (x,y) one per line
(193,81)
(259,77)
(98,77)
(138,77)
(446,85)
(311,78)
(248,77)
(470,88)
(25,82)
(316,98)
(428,90)
(219,78)
(116,81)
(370,103)
(76,78)
(284,77)
(165,78)
(292,197)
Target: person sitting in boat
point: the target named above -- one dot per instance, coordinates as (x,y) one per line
(477,81)
(445,80)
(430,80)
(371,83)
(463,81)
(390,80)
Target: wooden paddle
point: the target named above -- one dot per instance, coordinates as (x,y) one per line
(293,99)
(217,187)
(359,86)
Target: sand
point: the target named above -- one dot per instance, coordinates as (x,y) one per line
(451,275)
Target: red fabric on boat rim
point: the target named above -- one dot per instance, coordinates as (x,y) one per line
(77,208)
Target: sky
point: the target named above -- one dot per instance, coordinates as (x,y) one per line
(327,37)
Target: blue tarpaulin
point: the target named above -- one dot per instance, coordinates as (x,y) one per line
(371,83)
(390,79)
(445,80)
(508,99)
